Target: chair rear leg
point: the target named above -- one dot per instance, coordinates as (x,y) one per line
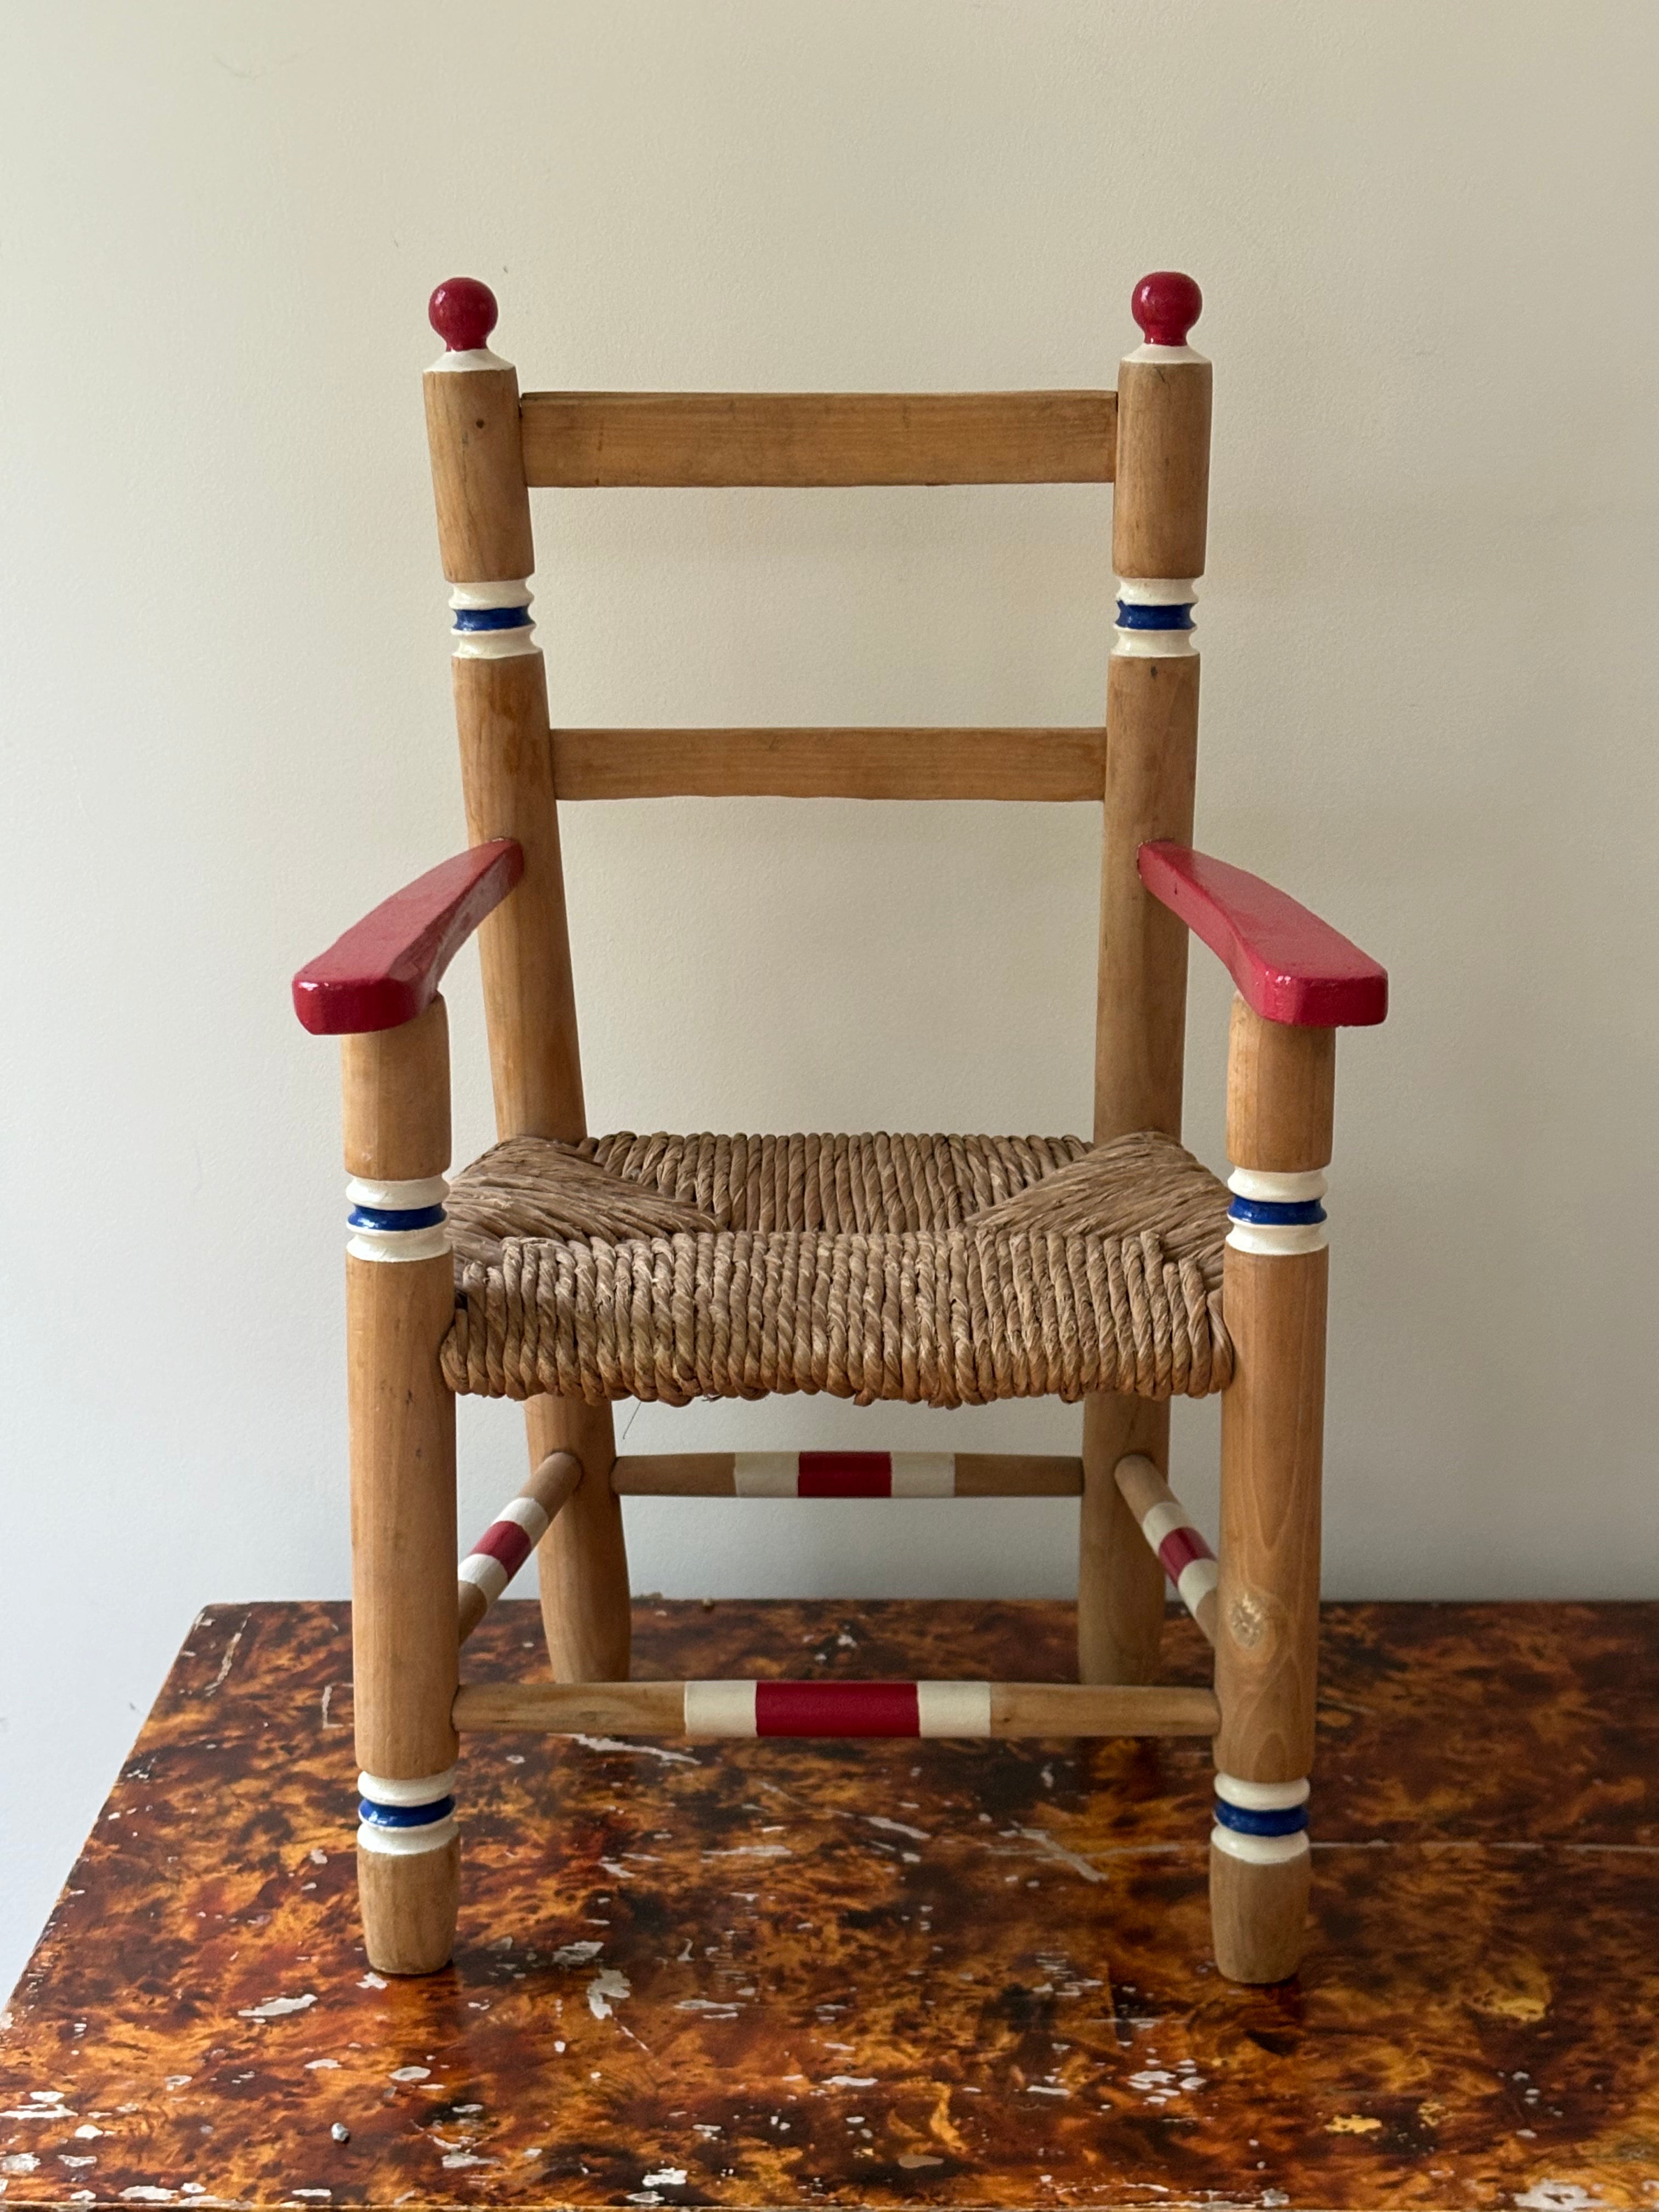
(400,1302)
(582,1561)
(1120,1582)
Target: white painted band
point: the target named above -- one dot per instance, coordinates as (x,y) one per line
(1198,1580)
(1259,1850)
(1274,1188)
(495,644)
(764,1475)
(924,1474)
(396,1244)
(451,364)
(1262,1796)
(1153,644)
(526,1514)
(425,1789)
(474,598)
(1158,591)
(1162,1519)
(398,1197)
(1165,354)
(485,1573)
(720,1709)
(407,1842)
(953,1707)
(1278,1240)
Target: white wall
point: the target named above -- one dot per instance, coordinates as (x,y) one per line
(1423,236)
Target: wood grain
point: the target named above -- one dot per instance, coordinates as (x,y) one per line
(1141,1020)
(1268,1602)
(1120,1586)
(1259,1917)
(530,1007)
(402,1419)
(817,438)
(1054,764)
(477,475)
(1281,1094)
(1071,1708)
(395,1098)
(582,1561)
(403,1514)
(1140,1010)
(1161,507)
(1272,1440)
(409,1907)
(647,1709)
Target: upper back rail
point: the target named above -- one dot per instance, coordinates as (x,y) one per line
(809,438)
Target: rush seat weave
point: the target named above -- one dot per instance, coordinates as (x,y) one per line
(938,1270)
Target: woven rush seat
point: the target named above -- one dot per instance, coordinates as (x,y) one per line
(938,1270)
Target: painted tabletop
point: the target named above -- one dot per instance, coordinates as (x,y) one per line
(786,1974)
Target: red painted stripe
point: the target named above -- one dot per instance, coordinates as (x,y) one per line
(837,1709)
(1180,1549)
(844,1474)
(1287,963)
(506,1541)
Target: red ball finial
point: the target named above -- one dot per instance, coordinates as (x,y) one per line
(463,312)
(1166,305)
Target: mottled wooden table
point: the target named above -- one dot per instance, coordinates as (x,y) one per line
(890,1974)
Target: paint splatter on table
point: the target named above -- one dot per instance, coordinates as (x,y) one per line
(788,1974)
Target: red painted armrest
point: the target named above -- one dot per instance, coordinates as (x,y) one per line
(1290,966)
(386,971)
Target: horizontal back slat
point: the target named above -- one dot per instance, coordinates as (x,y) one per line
(834,764)
(818,437)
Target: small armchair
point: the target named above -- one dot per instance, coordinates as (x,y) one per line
(568,1271)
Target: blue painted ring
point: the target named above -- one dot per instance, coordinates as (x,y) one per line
(1279,1212)
(1282,1820)
(385,1217)
(1138,617)
(405,1816)
(492,618)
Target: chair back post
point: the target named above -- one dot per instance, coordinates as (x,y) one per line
(500,714)
(474,431)
(1159,515)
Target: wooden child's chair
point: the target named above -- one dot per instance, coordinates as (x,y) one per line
(570,1271)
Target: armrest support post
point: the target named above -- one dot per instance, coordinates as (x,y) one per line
(400,1299)
(1281,1087)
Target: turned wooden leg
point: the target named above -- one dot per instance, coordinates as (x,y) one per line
(582,1560)
(1120,1582)
(1279,1135)
(399,1304)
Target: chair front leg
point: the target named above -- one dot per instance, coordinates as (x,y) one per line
(400,1302)
(1279,1100)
